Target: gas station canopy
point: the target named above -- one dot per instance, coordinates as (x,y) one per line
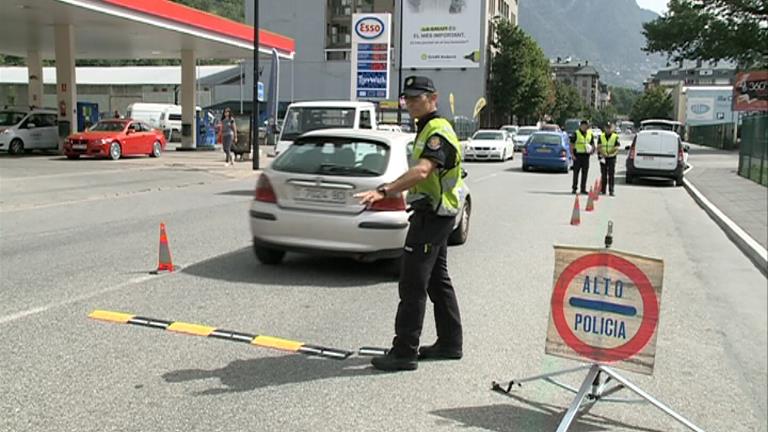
(127,29)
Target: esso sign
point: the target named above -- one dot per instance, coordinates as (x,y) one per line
(369,28)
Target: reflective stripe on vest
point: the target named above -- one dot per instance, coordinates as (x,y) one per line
(582,141)
(609,145)
(441,187)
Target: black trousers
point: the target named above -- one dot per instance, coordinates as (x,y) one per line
(608,172)
(580,164)
(424,273)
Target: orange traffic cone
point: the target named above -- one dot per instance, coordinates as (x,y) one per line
(576,215)
(598,187)
(164,262)
(591,200)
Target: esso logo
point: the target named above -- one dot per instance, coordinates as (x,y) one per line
(369,28)
(700,108)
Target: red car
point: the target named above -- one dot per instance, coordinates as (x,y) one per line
(115,138)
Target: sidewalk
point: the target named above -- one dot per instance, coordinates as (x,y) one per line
(743,201)
(212,161)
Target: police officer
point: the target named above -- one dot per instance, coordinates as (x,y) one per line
(580,140)
(608,147)
(433,184)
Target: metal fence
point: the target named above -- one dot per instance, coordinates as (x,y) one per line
(718,136)
(464,127)
(753,152)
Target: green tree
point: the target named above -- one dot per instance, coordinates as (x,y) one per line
(520,81)
(623,99)
(711,30)
(602,117)
(567,103)
(653,104)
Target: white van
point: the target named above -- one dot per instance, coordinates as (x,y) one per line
(158,115)
(36,130)
(656,153)
(303,117)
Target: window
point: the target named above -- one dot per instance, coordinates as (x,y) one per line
(334,156)
(365,120)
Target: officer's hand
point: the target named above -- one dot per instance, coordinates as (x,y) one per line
(369,197)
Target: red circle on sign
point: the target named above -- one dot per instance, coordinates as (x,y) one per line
(650,308)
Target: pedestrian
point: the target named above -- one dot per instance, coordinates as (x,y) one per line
(228,135)
(433,183)
(608,148)
(116,114)
(582,145)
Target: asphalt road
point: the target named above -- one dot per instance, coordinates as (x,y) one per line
(62,257)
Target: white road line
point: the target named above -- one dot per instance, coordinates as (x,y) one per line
(34,311)
(485,177)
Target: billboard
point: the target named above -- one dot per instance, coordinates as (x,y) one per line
(708,105)
(750,93)
(441,34)
(371,38)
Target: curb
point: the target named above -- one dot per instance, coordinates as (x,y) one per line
(753,250)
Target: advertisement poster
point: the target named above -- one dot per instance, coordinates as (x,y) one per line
(750,93)
(441,34)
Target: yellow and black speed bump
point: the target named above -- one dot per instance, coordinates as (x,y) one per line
(203,330)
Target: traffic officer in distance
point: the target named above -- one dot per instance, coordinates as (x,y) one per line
(582,143)
(433,184)
(608,147)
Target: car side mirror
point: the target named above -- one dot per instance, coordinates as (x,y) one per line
(626,147)
(686,148)
(464,173)
(469,139)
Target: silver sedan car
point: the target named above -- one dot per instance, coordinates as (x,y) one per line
(304,200)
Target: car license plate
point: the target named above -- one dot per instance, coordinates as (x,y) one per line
(320,195)
(647,157)
(544,150)
(79,146)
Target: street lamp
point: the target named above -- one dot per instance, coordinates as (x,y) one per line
(400,68)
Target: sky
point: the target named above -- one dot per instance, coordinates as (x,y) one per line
(658,6)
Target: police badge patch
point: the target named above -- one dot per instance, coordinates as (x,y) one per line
(435,143)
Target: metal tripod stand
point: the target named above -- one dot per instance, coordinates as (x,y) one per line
(595,386)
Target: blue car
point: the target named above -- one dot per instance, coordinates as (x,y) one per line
(547,150)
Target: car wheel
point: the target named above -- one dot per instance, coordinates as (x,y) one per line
(526,167)
(115,151)
(268,256)
(16,147)
(73,156)
(679,181)
(156,149)
(461,233)
(503,156)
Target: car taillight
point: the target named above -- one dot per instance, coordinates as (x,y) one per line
(563,154)
(680,156)
(525,151)
(393,203)
(632,151)
(264,191)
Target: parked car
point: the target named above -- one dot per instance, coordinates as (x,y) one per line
(114,139)
(548,150)
(304,200)
(522,136)
(488,144)
(656,153)
(511,129)
(389,127)
(23,132)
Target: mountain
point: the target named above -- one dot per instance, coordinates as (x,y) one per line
(607,33)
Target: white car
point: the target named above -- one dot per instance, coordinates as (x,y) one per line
(304,200)
(487,144)
(523,133)
(657,153)
(24,132)
(389,127)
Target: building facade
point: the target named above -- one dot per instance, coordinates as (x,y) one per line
(691,76)
(323,33)
(584,78)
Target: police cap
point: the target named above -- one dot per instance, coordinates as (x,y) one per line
(416,85)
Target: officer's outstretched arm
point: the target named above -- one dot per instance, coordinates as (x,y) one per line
(410,178)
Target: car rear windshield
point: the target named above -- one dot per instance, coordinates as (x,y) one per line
(108,126)
(546,139)
(10,118)
(299,120)
(488,136)
(526,131)
(334,156)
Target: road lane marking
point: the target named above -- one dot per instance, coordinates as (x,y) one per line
(486,177)
(40,309)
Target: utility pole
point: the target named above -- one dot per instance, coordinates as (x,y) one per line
(255,98)
(400,67)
